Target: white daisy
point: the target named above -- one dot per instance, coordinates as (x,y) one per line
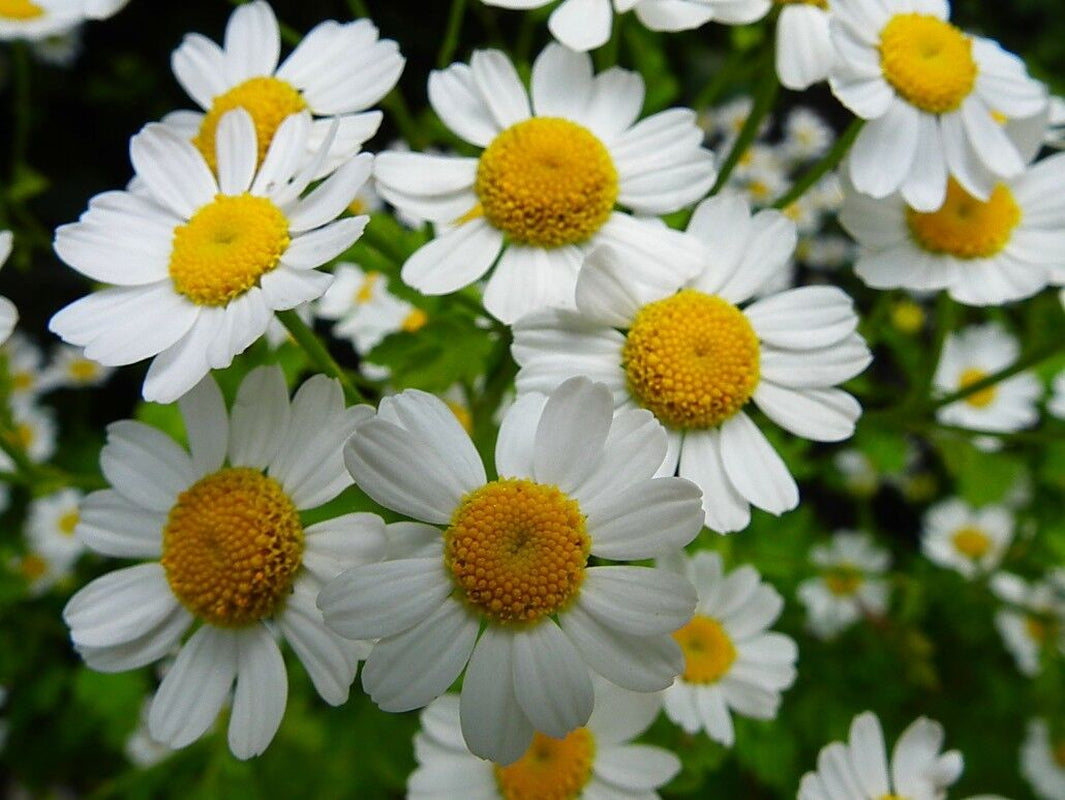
(1043,761)
(364,310)
(971,541)
(35,434)
(594,762)
(849,585)
(200,264)
(68,368)
(506,586)
(140,748)
(236,497)
(544,189)
(806,134)
(50,526)
(24,368)
(695,358)
(858,770)
(971,355)
(41,571)
(8,312)
(39,19)
(732,663)
(335,73)
(860,475)
(933,97)
(60,49)
(1033,620)
(804,50)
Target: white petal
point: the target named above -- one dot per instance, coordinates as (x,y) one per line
(551,682)
(259,418)
(498,82)
(645,520)
(236,151)
(145,465)
(637,600)
(261,693)
(206,424)
(454,260)
(804,318)
(725,509)
(823,415)
(314,248)
(329,660)
(493,723)
(327,200)
(120,606)
(173,170)
(561,83)
(581,24)
(459,103)
(252,44)
(754,467)
(571,433)
(112,525)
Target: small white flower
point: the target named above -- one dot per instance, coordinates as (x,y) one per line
(849,585)
(50,526)
(70,369)
(24,368)
(364,310)
(1043,761)
(40,19)
(971,541)
(8,312)
(1033,620)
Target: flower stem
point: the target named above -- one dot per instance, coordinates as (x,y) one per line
(764,97)
(318,354)
(827,163)
(358,8)
(451,34)
(1035,356)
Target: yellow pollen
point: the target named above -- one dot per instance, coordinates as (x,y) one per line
(982,398)
(414,321)
(966,227)
(843,581)
(546,182)
(907,316)
(708,650)
(971,542)
(268,100)
(517,549)
(358,207)
(929,62)
(20,9)
(226,247)
(21,381)
(33,567)
(999,117)
(551,769)
(365,293)
(231,547)
(68,522)
(23,436)
(692,359)
(82,370)
(462,414)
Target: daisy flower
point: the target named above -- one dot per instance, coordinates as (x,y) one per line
(1033,621)
(595,761)
(24,368)
(8,312)
(41,571)
(50,526)
(934,98)
(971,541)
(1043,761)
(545,187)
(804,52)
(39,19)
(732,662)
(140,748)
(506,587)
(806,135)
(70,369)
(336,72)
(199,264)
(691,355)
(971,355)
(35,434)
(236,495)
(849,585)
(858,770)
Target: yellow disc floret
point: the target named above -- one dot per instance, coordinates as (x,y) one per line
(966,227)
(226,247)
(551,769)
(979,399)
(708,650)
(692,359)
(546,182)
(843,580)
(517,549)
(268,100)
(929,62)
(67,522)
(971,542)
(20,9)
(231,547)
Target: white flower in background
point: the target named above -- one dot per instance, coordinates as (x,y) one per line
(1033,620)
(982,252)
(505,590)
(336,72)
(40,19)
(61,49)
(545,187)
(971,355)
(971,541)
(694,357)
(934,98)
(50,527)
(8,312)
(849,586)
(228,556)
(761,174)
(1056,402)
(35,434)
(141,749)
(1055,132)
(24,368)
(804,53)
(858,770)
(806,134)
(594,762)
(860,475)
(68,368)
(827,253)
(364,310)
(1043,761)
(41,571)
(199,265)
(732,662)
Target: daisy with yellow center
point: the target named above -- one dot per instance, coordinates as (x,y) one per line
(859,770)
(68,368)
(36,20)
(50,528)
(336,73)
(695,354)
(25,370)
(850,584)
(199,264)
(499,581)
(1043,760)
(930,94)
(229,556)
(971,541)
(594,761)
(8,312)
(732,662)
(550,181)
(1033,619)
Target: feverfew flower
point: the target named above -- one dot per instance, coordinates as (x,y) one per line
(804,53)
(200,264)
(70,369)
(1043,761)
(1034,619)
(505,590)
(35,433)
(806,135)
(24,370)
(247,477)
(39,19)
(544,189)
(971,541)
(849,585)
(689,353)
(858,770)
(140,748)
(8,312)
(934,98)
(732,663)
(594,761)
(364,310)
(50,527)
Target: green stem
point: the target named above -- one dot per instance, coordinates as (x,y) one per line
(764,97)
(409,129)
(1035,356)
(358,8)
(316,351)
(451,34)
(21,135)
(945,315)
(827,163)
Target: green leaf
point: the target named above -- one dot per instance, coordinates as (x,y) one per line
(447,350)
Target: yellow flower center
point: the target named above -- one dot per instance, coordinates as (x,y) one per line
(517,549)
(20,9)
(551,769)
(546,182)
(364,294)
(68,522)
(971,542)
(843,581)
(966,227)
(33,567)
(892,797)
(414,321)
(708,650)
(231,547)
(23,381)
(23,436)
(268,100)
(907,316)
(692,359)
(982,398)
(82,370)
(226,247)
(929,62)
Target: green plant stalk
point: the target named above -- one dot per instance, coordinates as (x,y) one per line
(318,354)
(1034,356)
(765,95)
(358,8)
(451,33)
(827,163)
